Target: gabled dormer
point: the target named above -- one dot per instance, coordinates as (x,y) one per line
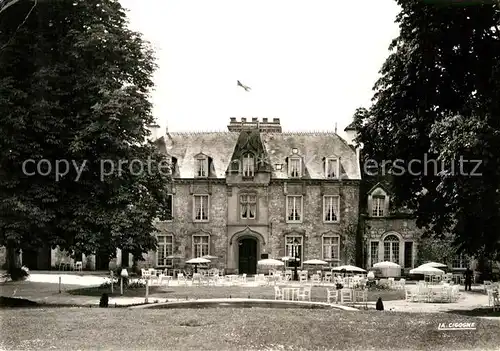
(249,156)
(378,201)
(295,165)
(331,165)
(171,165)
(202,165)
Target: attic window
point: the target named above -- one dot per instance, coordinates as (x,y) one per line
(248,166)
(201,167)
(294,167)
(332,168)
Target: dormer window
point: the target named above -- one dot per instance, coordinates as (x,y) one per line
(294,167)
(201,167)
(332,168)
(378,205)
(248,166)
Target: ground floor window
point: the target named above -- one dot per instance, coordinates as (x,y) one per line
(331,249)
(460,262)
(201,245)
(165,249)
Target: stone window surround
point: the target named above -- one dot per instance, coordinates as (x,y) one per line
(323,246)
(301,208)
(205,165)
(248,156)
(294,157)
(325,208)
(337,170)
(199,234)
(157,256)
(171,208)
(207,211)
(380,199)
(248,193)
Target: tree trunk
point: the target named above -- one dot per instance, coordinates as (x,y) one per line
(13,260)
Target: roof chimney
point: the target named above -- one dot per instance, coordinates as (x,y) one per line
(255,119)
(264,120)
(233,119)
(276,120)
(243,119)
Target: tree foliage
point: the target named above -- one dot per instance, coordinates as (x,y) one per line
(438,99)
(74,86)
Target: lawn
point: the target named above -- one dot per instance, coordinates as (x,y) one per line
(237,329)
(204,292)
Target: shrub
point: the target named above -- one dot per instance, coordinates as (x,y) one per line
(338,286)
(17,273)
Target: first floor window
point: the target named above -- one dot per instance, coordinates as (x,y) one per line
(331,208)
(373,252)
(293,248)
(165,249)
(391,249)
(248,205)
(169,207)
(294,208)
(201,245)
(331,248)
(409,254)
(201,207)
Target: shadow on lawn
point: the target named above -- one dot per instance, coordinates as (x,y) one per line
(16,302)
(478,312)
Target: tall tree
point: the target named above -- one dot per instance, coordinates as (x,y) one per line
(74,85)
(436,102)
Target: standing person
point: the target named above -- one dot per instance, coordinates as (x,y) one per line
(468,279)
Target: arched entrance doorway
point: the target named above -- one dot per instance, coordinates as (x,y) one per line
(247,256)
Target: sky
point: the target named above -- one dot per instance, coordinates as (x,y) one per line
(310,63)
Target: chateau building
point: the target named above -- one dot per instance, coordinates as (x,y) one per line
(256,192)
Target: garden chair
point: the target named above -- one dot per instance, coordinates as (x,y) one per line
(316,279)
(181,278)
(78,266)
(493,299)
(345,296)
(410,294)
(145,274)
(243,278)
(327,278)
(278,293)
(486,285)
(360,296)
(305,293)
(332,295)
(164,277)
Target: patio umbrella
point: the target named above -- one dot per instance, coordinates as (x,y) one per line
(386,264)
(315,261)
(426,270)
(349,268)
(210,257)
(197,261)
(270,262)
(435,265)
(289,258)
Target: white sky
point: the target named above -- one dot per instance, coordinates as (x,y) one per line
(310,63)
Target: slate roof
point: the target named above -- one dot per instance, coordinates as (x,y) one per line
(312,147)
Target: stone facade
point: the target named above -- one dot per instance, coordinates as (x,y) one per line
(256,192)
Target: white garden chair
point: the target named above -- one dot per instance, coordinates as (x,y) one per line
(181,278)
(360,296)
(305,293)
(316,279)
(411,294)
(345,296)
(278,293)
(332,295)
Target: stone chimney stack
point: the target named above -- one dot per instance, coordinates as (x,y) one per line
(155,131)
